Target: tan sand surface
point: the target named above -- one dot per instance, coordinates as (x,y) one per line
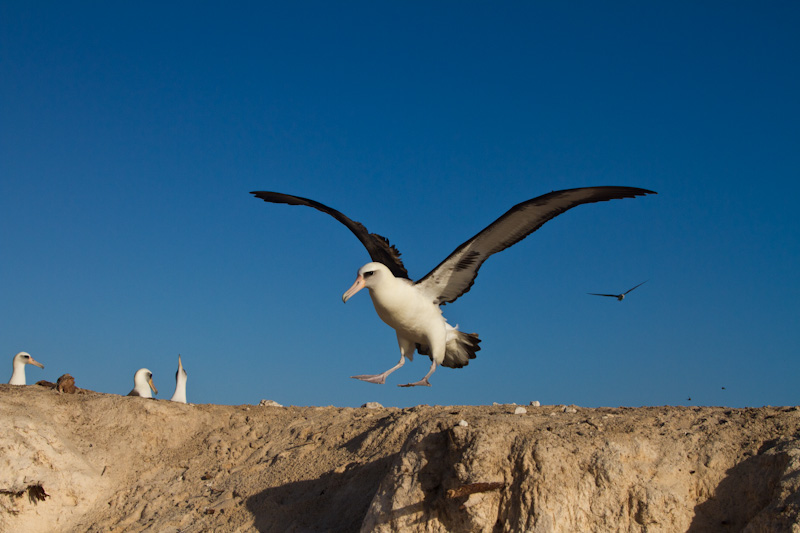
(102,462)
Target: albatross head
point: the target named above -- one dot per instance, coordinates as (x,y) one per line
(143,383)
(369,276)
(20,360)
(180,374)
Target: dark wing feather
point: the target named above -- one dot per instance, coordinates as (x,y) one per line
(596,294)
(639,285)
(378,247)
(455,275)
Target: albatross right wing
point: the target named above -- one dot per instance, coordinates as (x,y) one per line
(378,247)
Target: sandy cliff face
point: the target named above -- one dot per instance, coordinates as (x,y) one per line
(113,463)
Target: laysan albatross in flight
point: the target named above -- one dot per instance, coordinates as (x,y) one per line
(411,308)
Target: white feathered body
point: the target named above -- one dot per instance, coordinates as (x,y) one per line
(418,320)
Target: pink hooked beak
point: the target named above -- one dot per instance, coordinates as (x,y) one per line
(357,286)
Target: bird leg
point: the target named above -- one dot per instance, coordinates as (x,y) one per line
(380,379)
(424,381)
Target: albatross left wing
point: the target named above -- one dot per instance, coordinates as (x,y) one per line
(455,275)
(639,285)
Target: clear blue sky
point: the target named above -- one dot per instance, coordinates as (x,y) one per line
(131,136)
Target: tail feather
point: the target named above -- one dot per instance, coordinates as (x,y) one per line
(460,348)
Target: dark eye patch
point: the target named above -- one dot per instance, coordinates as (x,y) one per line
(368,274)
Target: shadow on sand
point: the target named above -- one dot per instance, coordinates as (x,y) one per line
(339,502)
(746,490)
(335,502)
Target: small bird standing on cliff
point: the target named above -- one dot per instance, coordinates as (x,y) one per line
(19,362)
(142,383)
(180,384)
(619,297)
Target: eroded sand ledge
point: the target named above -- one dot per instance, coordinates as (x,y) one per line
(113,463)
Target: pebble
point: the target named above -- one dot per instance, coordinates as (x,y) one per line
(269,403)
(463,423)
(372,405)
(474,499)
(535,403)
(520,411)
(226,501)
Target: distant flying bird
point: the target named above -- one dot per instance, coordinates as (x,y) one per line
(180,384)
(18,364)
(619,297)
(143,383)
(412,309)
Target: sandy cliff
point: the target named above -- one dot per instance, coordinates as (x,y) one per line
(100,462)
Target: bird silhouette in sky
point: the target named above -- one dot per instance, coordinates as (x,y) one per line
(619,297)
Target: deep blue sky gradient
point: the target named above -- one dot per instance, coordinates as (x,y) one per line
(131,135)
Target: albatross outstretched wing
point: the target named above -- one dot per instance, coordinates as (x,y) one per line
(378,247)
(455,275)
(639,285)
